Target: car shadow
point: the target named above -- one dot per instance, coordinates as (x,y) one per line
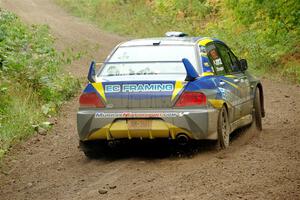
(155,149)
(162,148)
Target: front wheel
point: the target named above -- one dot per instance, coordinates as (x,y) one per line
(257,111)
(223,128)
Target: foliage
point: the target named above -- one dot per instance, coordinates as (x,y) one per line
(263,31)
(140,18)
(30,78)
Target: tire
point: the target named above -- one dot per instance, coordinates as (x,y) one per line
(93,149)
(223,129)
(257,114)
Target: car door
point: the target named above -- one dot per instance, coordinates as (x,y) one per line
(228,86)
(244,83)
(238,78)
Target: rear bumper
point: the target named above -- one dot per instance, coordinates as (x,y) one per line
(95,124)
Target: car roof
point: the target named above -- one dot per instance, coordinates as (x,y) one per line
(166,41)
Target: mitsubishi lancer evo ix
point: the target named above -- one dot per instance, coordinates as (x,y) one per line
(176,87)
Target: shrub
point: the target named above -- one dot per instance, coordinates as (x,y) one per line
(31,78)
(265,32)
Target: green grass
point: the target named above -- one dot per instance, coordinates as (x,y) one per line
(263,31)
(137,18)
(22,112)
(32,83)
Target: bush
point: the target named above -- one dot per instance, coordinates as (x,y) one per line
(265,32)
(30,79)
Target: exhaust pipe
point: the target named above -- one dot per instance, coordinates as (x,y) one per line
(182,139)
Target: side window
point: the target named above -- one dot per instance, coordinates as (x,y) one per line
(215,59)
(230,61)
(235,67)
(225,57)
(206,65)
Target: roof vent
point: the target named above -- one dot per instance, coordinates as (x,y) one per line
(175,34)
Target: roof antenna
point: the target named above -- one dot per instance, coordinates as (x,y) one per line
(175,34)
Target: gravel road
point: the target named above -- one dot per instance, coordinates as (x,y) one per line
(256,166)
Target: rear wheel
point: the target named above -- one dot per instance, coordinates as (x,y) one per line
(257,111)
(223,128)
(93,149)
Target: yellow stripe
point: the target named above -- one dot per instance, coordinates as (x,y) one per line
(203,54)
(230,76)
(206,64)
(207,74)
(119,129)
(178,87)
(100,90)
(217,103)
(204,41)
(233,85)
(102,133)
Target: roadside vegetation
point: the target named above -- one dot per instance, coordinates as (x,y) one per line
(265,32)
(32,84)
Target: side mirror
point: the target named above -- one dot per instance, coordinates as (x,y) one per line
(92,73)
(191,73)
(243,64)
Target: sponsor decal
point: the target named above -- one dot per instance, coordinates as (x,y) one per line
(112,88)
(139,115)
(218,61)
(219,69)
(229,96)
(232,98)
(167,87)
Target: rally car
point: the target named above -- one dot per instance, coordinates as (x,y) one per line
(175,87)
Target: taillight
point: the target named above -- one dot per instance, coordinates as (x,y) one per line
(90,100)
(191,99)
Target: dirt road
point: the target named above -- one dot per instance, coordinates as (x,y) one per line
(256,166)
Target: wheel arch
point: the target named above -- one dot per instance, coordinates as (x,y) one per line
(226,106)
(261,98)
(229,111)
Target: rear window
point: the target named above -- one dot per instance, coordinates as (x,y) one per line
(143,60)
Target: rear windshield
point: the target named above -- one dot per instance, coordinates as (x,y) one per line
(143,60)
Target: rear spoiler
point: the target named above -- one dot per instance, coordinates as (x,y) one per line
(191,73)
(92,72)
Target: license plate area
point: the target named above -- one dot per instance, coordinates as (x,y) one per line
(139,124)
